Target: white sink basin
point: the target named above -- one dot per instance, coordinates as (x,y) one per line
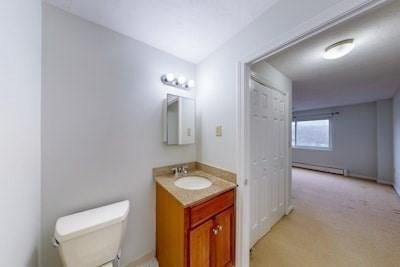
(193,182)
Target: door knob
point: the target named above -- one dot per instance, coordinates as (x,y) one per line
(215,231)
(219,227)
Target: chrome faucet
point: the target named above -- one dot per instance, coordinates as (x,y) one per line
(180,171)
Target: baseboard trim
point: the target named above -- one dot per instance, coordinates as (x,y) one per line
(338,171)
(397,189)
(365,177)
(333,170)
(147,260)
(289,209)
(384,182)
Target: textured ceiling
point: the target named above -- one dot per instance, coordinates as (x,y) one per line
(189,29)
(369,73)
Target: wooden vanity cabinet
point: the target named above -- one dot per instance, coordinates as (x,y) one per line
(198,236)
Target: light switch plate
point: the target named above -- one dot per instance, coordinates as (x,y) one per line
(218,131)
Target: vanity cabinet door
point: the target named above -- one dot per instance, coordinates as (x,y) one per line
(200,242)
(224,240)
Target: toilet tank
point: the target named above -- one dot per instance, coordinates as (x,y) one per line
(91,238)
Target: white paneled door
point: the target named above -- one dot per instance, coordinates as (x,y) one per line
(268,126)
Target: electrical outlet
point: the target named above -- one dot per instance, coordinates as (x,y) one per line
(218,131)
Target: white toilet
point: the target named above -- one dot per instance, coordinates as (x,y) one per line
(92,238)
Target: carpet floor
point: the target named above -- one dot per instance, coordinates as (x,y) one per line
(336,221)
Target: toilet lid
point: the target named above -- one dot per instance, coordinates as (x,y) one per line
(82,223)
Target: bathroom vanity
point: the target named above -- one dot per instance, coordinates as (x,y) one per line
(195,228)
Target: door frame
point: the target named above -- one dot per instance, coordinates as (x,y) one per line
(302,32)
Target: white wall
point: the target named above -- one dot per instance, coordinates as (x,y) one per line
(354,141)
(20,82)
(396,140)
(102,126)
(384,116)
(217,75)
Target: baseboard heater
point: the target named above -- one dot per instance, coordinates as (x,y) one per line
(320,168)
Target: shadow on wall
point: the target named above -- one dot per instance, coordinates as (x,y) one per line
(33,259)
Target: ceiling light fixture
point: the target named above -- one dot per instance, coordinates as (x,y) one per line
(339,49)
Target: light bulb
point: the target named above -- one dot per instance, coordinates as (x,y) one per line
(170,77)
(181,80)
(190,83)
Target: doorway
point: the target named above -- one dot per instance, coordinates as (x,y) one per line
(255,217)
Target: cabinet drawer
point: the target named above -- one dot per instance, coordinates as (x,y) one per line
(208,209)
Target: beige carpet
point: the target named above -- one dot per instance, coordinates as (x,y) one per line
(337,221)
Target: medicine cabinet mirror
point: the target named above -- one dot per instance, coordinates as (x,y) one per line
(180,120)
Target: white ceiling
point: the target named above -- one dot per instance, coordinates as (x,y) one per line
(189,29)
(370,72)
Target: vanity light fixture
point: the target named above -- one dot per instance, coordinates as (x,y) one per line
(339,49)
(190,83)
(180,82)
(169,77)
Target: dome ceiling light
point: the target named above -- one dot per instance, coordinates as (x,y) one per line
(339,49)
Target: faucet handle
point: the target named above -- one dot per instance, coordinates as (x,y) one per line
(174,170)
(185,169)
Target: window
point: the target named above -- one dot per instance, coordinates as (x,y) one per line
(293,133)
(314,134)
